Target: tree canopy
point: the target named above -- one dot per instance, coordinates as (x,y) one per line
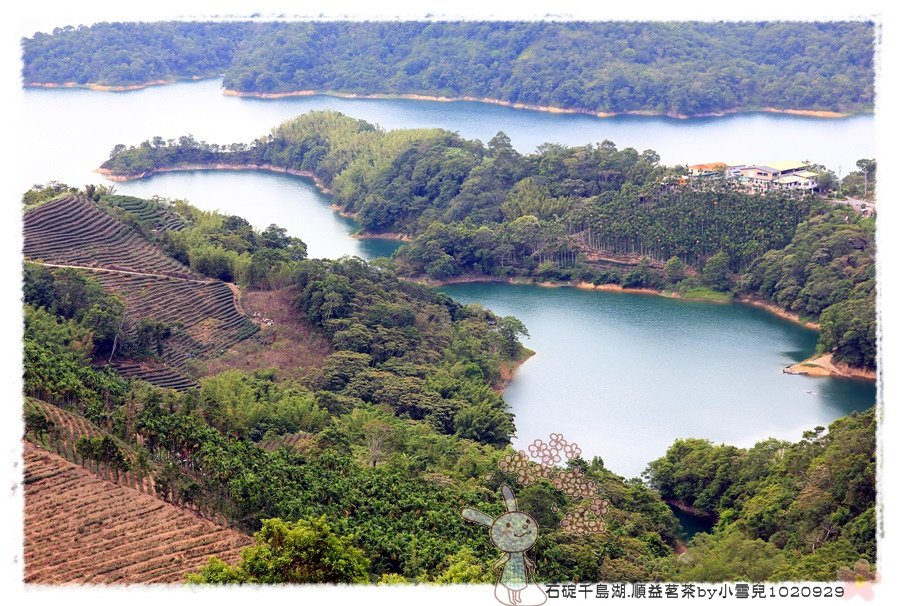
(785,511)
(687,68)
(305,551)
(591,213)
(358,472)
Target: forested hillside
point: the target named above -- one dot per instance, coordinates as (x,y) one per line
(203,403)
(827,272)
(123,54)
(690,69)
(374,454)
(593,213)
(792,510)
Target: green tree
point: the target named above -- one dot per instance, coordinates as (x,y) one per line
(464,567)
(106,320)
(510,329)
(484,423)
(674,271)
(305,551)
(103,450)
(151,337)
(341,366)
(728,556)
(868,167)
(848,329)
(37,423)
(716,272)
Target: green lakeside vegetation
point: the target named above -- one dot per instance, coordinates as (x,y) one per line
(689,68)
(783,510)
(358,473)
(219,246)
(593,213)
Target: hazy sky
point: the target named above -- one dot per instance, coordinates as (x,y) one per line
(44,15)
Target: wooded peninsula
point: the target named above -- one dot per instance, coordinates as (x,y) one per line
(589,214)
(682,69)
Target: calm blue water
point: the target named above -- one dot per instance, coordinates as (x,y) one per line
(622,374)
(691,524)
(88,124)
(263,198)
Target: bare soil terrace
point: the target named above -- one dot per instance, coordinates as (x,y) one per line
(82,529)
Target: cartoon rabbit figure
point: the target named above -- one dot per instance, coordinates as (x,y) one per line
(513,533)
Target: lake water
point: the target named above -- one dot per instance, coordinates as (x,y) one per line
(625,374)
(263,198)
(622,374)
(88,124)
(692,524)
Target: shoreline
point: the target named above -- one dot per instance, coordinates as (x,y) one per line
(384,236)
(609,287)
(365,235)
(817,366)
(809,113)
(764,305)
(114,88)
(120,178)
(824,366)
(778,311)
(508,369)
(690,509)
(347,215)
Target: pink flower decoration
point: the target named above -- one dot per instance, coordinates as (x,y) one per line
(859,581)
(573,451)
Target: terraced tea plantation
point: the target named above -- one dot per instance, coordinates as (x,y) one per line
(74,231)
(82,529)
(62,439)
(203,313)
(67,428)
(147,212)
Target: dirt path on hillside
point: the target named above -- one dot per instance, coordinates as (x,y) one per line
(123,271)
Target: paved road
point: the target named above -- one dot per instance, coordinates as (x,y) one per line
(865,207)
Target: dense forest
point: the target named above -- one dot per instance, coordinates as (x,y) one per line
(827,272)
(783,510)
(356,468)
(592,213)
(124,54)
(357,473)
(690,68)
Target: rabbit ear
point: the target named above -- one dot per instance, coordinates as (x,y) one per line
(509,498)
(473,515)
